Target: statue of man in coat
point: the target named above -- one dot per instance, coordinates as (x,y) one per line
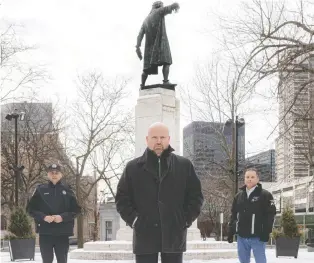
(157,50)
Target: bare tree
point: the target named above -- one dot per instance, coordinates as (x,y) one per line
(272,40)
(111,158)
(99,130)
(216,179)
(16,75)
(216,98)
(38,137)
(217,196)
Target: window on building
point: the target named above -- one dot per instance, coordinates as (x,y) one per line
(108,235)
(300,210)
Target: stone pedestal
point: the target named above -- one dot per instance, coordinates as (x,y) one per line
(157,105)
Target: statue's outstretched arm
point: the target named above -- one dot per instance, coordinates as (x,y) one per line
(169,8)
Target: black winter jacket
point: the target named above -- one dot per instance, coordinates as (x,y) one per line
(253,216)
(165,194)
(50,199)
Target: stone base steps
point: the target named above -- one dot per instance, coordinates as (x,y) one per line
(127,245)
(122,250)
(128,255)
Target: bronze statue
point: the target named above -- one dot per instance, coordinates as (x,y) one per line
(157,50)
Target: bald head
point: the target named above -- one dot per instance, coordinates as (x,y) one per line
(158,137)
(158,126)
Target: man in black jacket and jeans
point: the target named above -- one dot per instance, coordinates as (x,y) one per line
(159,196)
(54,207)
(252,217)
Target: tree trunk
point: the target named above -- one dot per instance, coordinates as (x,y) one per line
(95,234)
(80,237)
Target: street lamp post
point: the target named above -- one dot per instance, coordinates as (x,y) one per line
(236,169)
(15,115)
(238,123)
(79,219)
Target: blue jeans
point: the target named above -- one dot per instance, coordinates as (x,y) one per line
(244,249)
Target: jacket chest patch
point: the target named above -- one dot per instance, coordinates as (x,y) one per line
(255,199)
(51,193)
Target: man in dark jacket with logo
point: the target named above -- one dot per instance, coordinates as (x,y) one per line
(54,207)
(252,217)
(159,196)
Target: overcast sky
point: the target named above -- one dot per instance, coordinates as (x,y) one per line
(73,36)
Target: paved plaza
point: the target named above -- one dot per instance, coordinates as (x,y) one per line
(304,257)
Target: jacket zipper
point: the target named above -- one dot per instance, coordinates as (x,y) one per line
(237,223)
(253,224)
(159,175)
(159,170)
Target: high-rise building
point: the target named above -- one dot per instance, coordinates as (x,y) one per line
(264,162)
(207,144)
(295,144)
